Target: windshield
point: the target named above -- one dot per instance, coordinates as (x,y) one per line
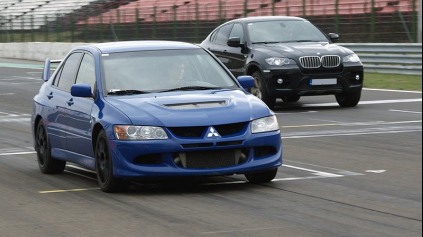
(285,31)
(159,71)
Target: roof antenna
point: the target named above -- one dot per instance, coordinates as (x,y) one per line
(113,31)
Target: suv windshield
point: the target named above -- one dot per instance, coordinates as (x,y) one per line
(160,71)
(285,31)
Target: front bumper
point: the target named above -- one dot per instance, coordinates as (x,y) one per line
(296,81)
(159,156)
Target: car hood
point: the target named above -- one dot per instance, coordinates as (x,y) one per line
(297,50)
(201,108)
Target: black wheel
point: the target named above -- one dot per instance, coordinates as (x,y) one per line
(47,164)
(104,167)
(262,177)
(291,99)
(259,90)
(348,99)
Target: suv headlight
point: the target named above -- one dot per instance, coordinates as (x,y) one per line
(353,58)
(137,133)
(278,61)
(268,124)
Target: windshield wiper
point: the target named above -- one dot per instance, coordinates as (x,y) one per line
(192,88)
(266,42)
(301,41)
(128,92)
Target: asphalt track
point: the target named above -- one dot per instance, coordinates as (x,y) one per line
(348,172)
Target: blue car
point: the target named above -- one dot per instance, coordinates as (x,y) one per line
(134,110)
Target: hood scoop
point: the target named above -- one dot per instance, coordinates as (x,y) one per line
(199,105)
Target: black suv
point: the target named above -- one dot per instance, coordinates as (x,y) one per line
(289,57)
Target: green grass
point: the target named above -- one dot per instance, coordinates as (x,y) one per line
(393,81)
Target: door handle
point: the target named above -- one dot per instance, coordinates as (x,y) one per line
(50,96)
(70,102)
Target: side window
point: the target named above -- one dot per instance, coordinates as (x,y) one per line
(213,36)
(223,35)
(69,71)
(237,32)
(86,74)
(57,77)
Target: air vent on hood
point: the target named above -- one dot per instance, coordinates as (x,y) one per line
(200,105)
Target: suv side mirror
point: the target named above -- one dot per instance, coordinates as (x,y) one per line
(334,37)
(246,82)
(235,42)
(81,90)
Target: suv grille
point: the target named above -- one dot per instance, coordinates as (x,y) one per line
(314,62)
(331,61)
(310,62)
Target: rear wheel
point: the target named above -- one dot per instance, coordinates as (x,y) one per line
(259,90)
(348,99)
(104,167)
(47,164)
(291,99)
(262,177)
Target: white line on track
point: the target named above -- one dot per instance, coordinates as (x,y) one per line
(353,134)
(373,102)
(307,112)
(7,93)
(399,91)
(405,111)
(17,153)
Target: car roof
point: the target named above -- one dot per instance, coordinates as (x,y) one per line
(132,46)
(267,18)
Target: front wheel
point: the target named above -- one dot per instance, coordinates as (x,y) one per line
(47,164)
(104,167)
(291,99)
(348,99)
(259,90)
(262,177)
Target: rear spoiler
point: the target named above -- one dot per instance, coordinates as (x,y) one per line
(47,68)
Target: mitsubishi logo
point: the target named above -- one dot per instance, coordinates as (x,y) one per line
(213,133)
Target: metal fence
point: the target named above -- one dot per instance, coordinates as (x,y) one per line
(390,58)
(357,21)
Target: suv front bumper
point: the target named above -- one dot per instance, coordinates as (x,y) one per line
(296,82)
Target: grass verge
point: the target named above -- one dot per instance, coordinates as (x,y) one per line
(393,81)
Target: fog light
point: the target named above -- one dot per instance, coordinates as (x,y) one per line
(280,81)
(357,77)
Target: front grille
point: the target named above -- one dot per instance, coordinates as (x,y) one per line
(188,132)
(197,132)
(331,61)
(314,62)
(307,87)
(230,129)
(208,159)
(311,62)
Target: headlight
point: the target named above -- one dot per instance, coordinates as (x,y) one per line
(353,58)
(268,124)
(136,133)
(278,61)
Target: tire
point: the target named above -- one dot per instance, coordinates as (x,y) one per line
(259,90)
(47,164)
(104,167)
(291,99)
(262,177)
(347,100)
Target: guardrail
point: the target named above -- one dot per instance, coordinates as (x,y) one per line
(403,59)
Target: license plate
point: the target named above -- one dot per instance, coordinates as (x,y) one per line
(323,82)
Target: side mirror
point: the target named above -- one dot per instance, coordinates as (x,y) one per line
(46,70)
(235,42)
(81,90)
(246,82)
(334,37)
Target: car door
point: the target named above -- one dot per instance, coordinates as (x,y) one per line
(219,43)
(236,57)
(79,124)
(58,95)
